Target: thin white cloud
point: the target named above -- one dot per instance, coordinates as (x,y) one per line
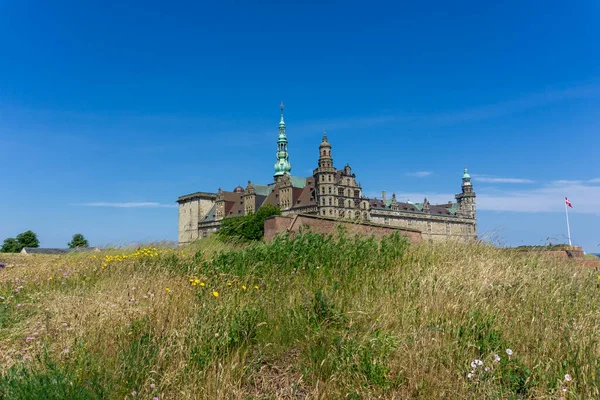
(584,196)
(595,180)
(146,204)
(419,174)
(497,179)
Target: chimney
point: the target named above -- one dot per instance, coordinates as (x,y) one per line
(383,197)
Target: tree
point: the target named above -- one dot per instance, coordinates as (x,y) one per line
(11,245)
(78,241)
(248,227)
(28,239)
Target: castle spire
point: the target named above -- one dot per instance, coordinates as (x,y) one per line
(466,178)
(282,166)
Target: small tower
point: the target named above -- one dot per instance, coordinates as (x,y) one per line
(282,165)
(426,206)
(325,180)
(249,199)
(466,199)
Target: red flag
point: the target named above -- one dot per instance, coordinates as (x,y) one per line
(567,202)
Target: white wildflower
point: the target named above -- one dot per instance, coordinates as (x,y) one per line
(479,362)
(473,364)
(497,358)
(509,352)
(470,376)
(564,389)
(487,369)
(568,378)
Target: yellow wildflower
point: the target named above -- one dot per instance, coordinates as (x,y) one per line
(202,284)
(168,290)
(243,287)
(228,283)
(216,294)
(255,287)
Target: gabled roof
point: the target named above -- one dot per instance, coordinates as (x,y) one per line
(298,181)
(307,195)
(406,207)
(211,214)
(263,190)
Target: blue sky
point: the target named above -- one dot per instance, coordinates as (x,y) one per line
(111,110)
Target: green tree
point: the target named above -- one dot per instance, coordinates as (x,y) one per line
(11,245)
(28,239)
(248,227)
(78,241)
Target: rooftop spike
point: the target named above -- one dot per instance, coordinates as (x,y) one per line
(282,166)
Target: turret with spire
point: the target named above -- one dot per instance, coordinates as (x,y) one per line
(282,166)
(325,179)
(466,199)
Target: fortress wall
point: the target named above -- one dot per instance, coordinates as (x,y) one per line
(434,228)
(277,224)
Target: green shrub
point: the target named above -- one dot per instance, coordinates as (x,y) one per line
(248,227)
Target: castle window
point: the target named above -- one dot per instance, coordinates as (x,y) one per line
(330,202)
(329,189)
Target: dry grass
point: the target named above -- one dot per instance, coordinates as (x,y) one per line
(318,319)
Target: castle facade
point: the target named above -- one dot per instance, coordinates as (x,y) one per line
(329,192)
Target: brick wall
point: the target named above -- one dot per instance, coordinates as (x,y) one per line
(277,224)
(576,252)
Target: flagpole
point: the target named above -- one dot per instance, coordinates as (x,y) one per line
(568,228)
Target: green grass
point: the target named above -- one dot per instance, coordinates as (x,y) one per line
(309,317)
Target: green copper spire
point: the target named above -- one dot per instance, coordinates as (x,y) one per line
(466,174)
(282,166)
(466,177)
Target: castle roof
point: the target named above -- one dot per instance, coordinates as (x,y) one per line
(211,214)
(307,196)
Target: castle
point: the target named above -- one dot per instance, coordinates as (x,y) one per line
(329,192)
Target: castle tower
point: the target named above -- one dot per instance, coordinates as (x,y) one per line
(466,199)
(282,165)
(325,180)
(249,199)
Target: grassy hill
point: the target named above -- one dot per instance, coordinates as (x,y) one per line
(311,317)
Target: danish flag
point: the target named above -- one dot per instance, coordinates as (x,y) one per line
(567,202)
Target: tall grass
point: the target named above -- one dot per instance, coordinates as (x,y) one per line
(303,317)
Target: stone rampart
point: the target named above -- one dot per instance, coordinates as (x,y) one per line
(293,224)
